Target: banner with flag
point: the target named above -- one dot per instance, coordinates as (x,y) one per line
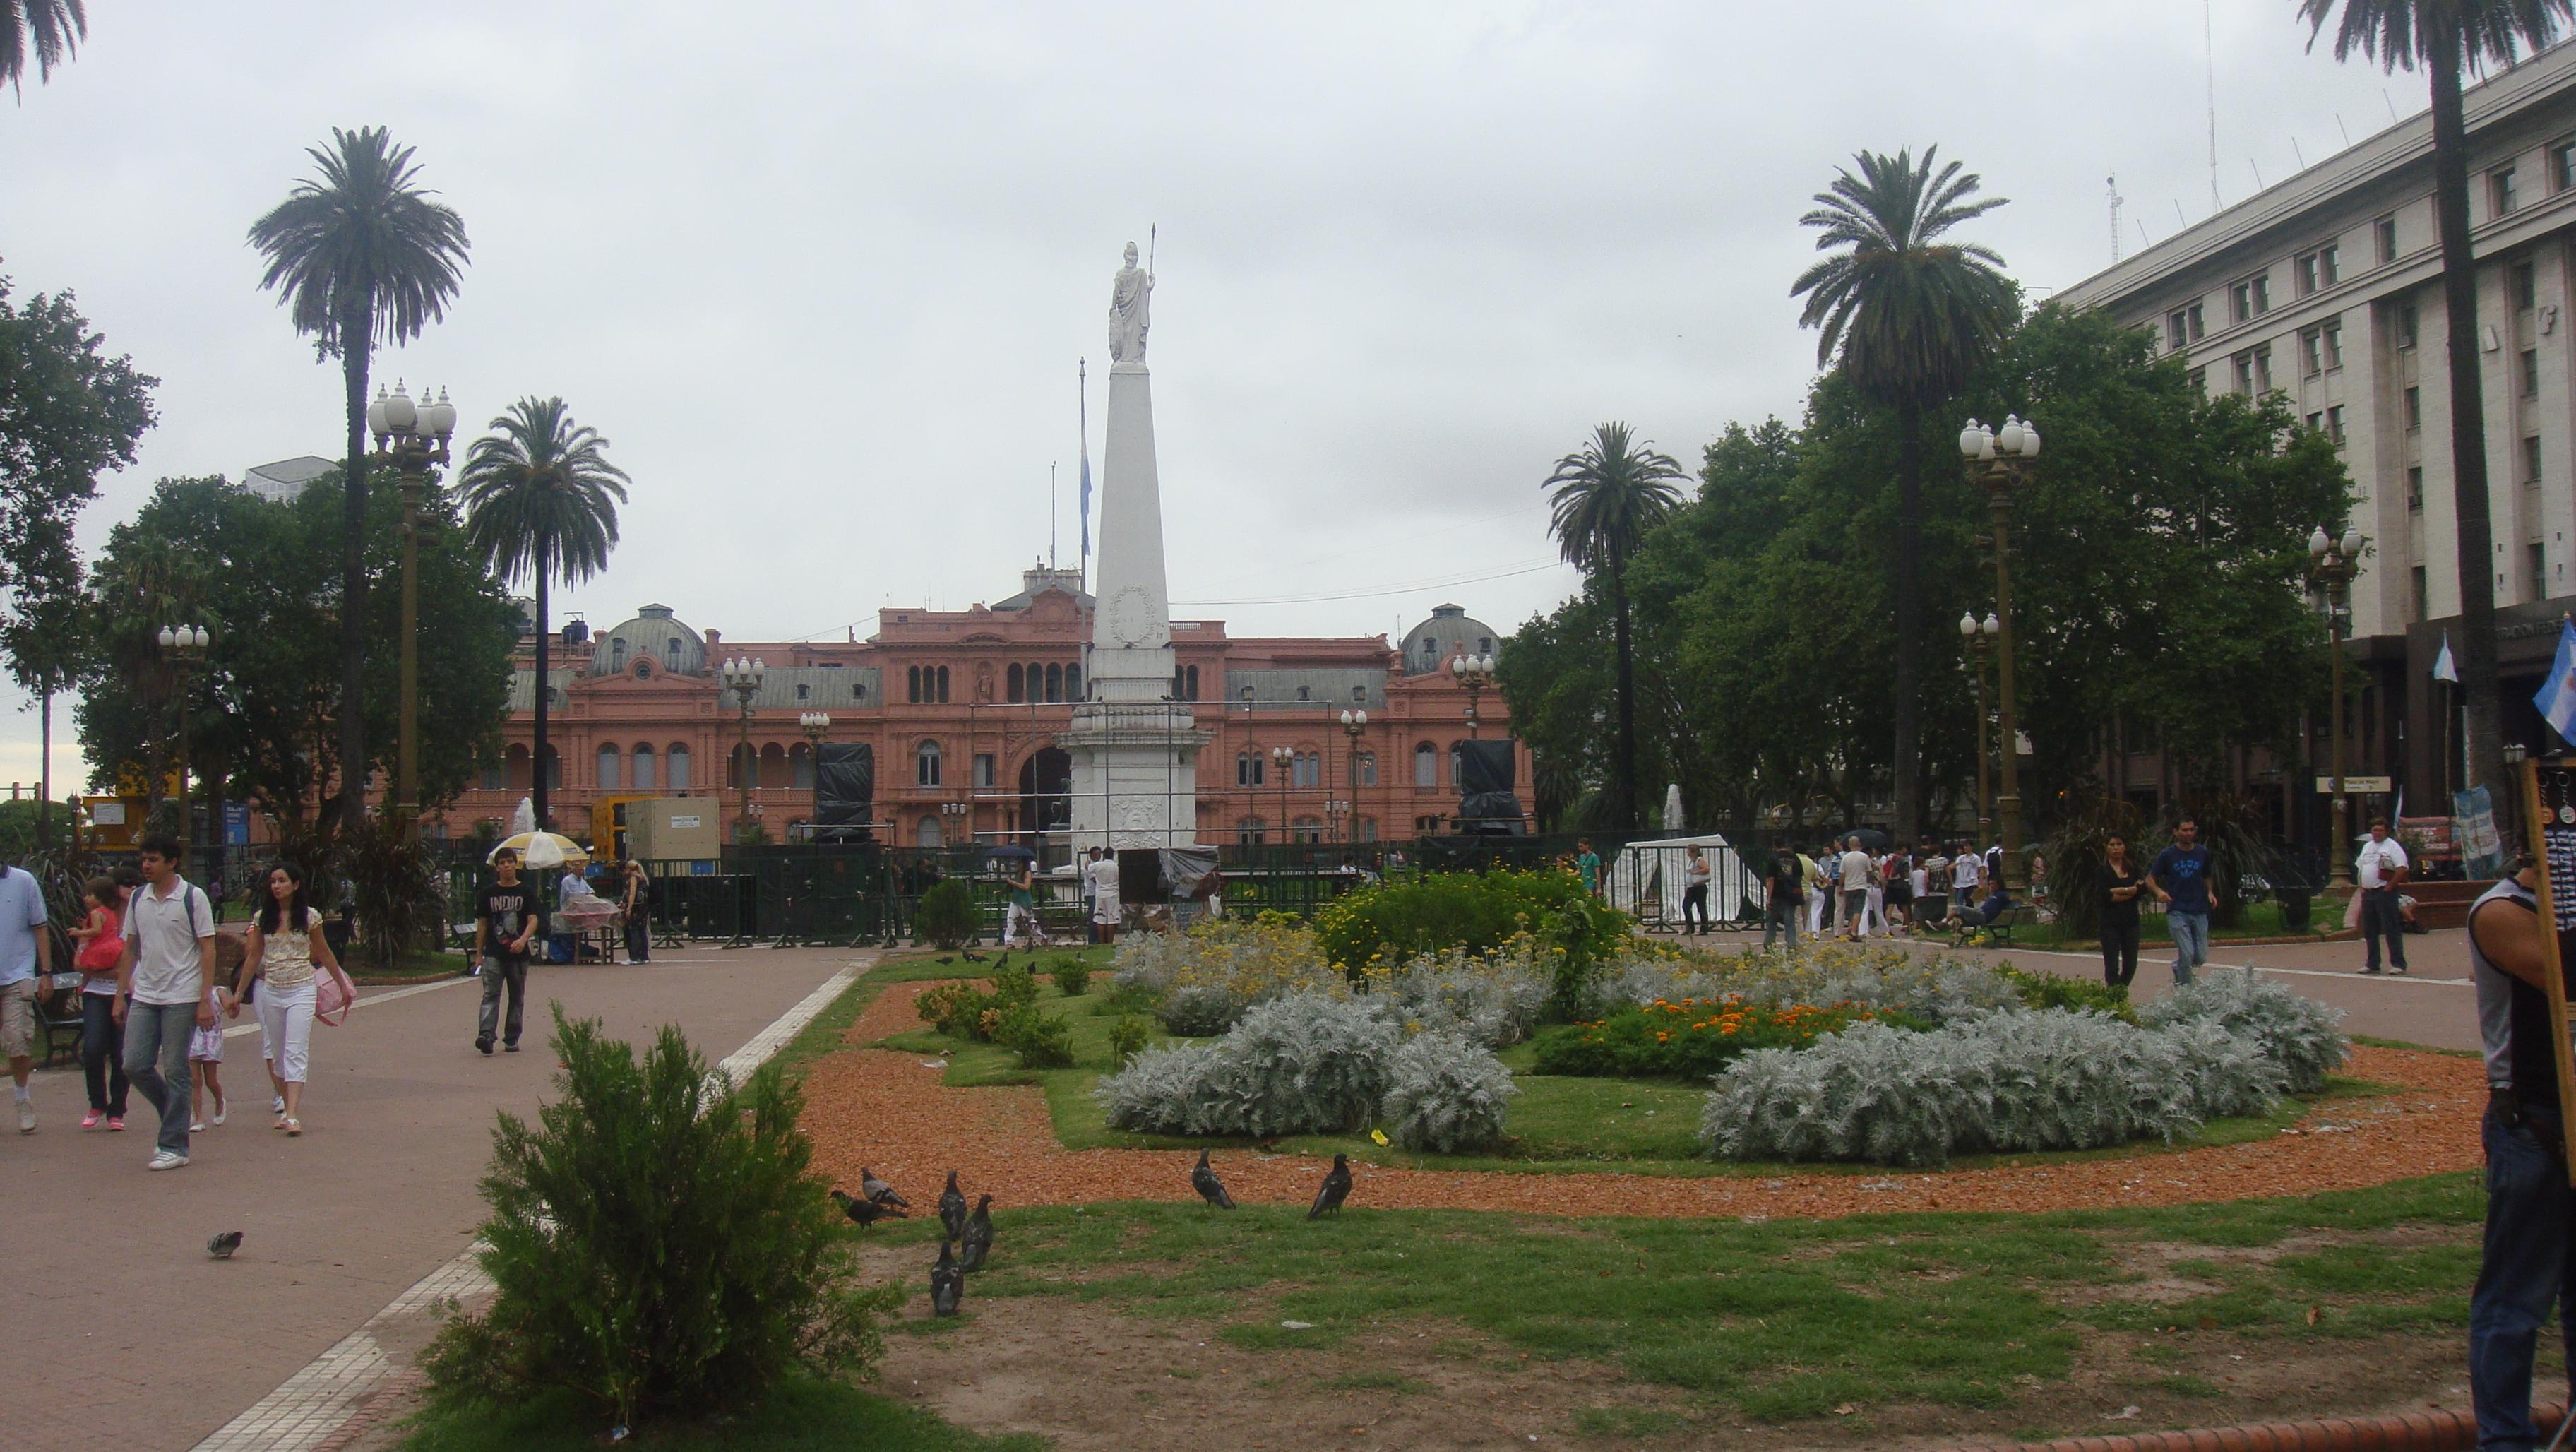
(2556,697)
(2444,668)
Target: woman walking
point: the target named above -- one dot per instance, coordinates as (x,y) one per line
(102,942)
(284,942)
(638,904)
(2121,882)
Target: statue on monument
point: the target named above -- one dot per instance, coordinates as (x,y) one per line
(1130,298)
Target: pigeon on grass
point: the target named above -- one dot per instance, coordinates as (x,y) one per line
(1335,1189)
(222,1245)
(952,1208)
(878,1190)
(865,1212)
(1211,1189)
(947,1284)
(977,1242)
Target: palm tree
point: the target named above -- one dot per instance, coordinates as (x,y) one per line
(2444,37)
(541,500)
(359,257)
(49,30)
(1912,317)
(1607,497)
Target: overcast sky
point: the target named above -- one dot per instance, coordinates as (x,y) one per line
(821,272)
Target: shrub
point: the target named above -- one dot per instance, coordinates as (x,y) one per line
(2300,1034)
(1040,1040)
(1933,988)
(962,1010)
(2047,990)
(1445,1093)
(946,914)
(401,897)
(1127,1039)
(1204,980)
(1302,1064)
(1494,1000)
(1692,1038)
(1072,977)
(2012,1080)
(1477,912)
(658,1242)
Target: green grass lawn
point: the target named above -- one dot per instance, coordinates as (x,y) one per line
(2260,920)
(413,968)
(1559,1124)
(803,1416)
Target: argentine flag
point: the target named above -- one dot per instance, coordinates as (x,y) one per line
(2557,695)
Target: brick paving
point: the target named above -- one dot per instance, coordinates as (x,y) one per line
(132,1337)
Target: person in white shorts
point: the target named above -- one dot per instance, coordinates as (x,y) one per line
(284,942)
(1103,876)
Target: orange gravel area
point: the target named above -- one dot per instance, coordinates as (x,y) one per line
(890,1111)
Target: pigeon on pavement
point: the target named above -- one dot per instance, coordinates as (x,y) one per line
(865,1212)
(1335,1189)
(952,1208)
(878,1190)
(947,1284)
(224,1243)
(1211,1189)
(977,1242)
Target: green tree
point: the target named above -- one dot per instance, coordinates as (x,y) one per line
(1608,494)
(541,500)
(2446,37)
(1912,317)
(48,31)
(361,256)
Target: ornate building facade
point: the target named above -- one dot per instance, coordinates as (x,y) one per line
(961,710)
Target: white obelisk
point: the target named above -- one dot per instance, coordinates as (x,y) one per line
(1134,748)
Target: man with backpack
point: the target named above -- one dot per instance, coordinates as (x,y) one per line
(165,990)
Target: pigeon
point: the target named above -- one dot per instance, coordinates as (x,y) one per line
(1335,1189)
(971,956)
(1210,1188)
(977,1242)
(945,961)
(947,1284)
(878,1190)
(952,1208)
(223,1244)
(1002,962)
(865,1212)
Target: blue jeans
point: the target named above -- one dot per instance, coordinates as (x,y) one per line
(2530,1214)
(2190,938)
(103,1054)
(156,1064)
(1778,918)
(2381,917)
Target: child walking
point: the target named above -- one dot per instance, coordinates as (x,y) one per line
(205,1063)
(101,937)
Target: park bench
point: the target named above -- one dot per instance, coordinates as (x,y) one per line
(1999,933)
(58,1012)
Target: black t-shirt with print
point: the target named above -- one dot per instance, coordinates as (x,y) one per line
(504,913)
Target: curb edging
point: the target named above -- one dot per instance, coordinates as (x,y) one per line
(2440,1431)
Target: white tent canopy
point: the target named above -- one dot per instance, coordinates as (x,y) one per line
(1656,872)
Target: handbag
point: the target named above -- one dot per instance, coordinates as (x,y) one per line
(333,995)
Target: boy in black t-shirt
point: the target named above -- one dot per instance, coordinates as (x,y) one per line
(505,920)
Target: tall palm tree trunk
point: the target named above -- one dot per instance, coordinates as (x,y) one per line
(1907,760)
(354,350)
(537,755)
(1624,814)
(2468,430)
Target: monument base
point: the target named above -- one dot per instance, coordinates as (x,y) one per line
(1135,774)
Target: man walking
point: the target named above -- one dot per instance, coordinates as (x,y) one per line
(1588,863)
(26,960)
(1782,890)
(503,928)
(165,985)
(1855,875)
(2180,876)
(1103,873)
(1695,894)
(2380,870)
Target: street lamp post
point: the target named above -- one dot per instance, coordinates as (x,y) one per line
(2001,460)
(953,824)
(412,441)
(1980,636)
(814,724)
(2331,564)
(1354,722)
(184,646)
(743,676)
(1283,759)
(1475,672)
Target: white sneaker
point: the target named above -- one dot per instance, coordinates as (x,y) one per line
(199,1127)
(26,1116)
(221,1109)
(165,1160)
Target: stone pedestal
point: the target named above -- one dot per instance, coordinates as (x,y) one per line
(1135,774)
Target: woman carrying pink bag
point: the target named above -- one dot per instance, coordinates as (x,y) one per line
(299,982)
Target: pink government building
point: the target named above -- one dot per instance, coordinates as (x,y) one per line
(962,709)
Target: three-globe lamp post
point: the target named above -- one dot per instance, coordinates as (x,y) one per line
(814,724)
(742,676)
(1354,722)
(183,646)
(2001,461)
(1980,637)
(2331,564)
(1475,672)
(411,441)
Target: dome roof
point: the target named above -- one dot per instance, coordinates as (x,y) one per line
(654,634)
(1450,631)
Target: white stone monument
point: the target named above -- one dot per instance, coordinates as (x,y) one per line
(1135,749)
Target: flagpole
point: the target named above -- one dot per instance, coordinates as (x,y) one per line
(1082,416)
(1051,514)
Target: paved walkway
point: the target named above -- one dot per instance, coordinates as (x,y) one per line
(128,1335)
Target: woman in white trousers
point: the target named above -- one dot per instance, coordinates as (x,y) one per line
(284,943)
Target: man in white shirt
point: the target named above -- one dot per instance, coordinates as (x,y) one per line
(26,959)
(2380,869)
(164,985)
(1967,874)
(1855,876)
(1103,876)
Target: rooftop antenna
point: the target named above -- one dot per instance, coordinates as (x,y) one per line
(2301,155)
(2209,74)
(2346,130)
(2258,173)
(2391,100)
(2142,233)
(2111,185)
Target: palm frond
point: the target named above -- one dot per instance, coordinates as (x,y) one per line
(2405,34)
(49,31)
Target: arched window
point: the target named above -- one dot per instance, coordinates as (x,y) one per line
(1307,830)
(925,766)
(643,763)
(927,834)
(495,776)
(1249,831)
(1368,768)
(738,762)
(1309,770)
(1368,829)
(800,760)
(608,773)
(1073,683)
(1011,683)
(1426,766)
(1249,767)
(1192,693)
(1055,683)
(1037,681)
(943,685)
(912,684)
(676,767)
(773,766)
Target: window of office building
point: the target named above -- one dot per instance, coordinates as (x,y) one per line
(2263,368)
(2200,381)
(2562,164)
(2501,195)
(2412,407)
(2385,232)
(2531,458)
(2262,293)
(2333,333)
(2423,604)
(2334,424)
(2317,422)
(2330,263)
(2526,289)
(2240,302)
(2305,270)
(2312,353)
(2407,324)
(2415,486)
(2536,568)
(2243,364)
(2529,370)
(2177,331)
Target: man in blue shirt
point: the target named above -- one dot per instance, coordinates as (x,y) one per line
(2180,876)
(25,952)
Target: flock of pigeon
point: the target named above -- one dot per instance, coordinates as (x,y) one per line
(966,1238)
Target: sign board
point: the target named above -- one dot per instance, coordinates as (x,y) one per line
(236,824)
(2358,786)
(107,814)
(684,824)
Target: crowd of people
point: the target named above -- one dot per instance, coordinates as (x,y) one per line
(1847,889)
